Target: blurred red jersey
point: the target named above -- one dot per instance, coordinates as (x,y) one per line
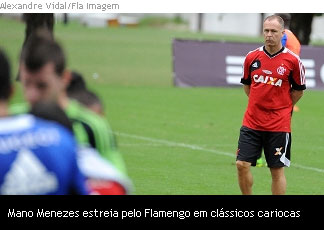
(271,78)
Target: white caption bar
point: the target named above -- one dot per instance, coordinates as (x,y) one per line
(155,6)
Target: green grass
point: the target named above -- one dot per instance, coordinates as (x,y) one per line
(209,118)
(175,140)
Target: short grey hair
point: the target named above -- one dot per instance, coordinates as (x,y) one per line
(286,17)
(278,18)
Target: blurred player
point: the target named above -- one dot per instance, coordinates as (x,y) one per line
(44,78)
(289,40)
(51,111)
(77,90)
(76,84)
(37,157)
(102,178)
(274,80)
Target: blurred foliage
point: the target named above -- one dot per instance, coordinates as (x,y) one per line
(161,21)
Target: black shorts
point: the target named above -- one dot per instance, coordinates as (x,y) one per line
(276,146)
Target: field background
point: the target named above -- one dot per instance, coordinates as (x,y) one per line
(175,140)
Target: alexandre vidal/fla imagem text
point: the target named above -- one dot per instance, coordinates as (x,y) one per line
(59,6)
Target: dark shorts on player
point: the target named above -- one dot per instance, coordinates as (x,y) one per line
(276,146)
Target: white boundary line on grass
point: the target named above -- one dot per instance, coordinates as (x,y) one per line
(171,143)
(196,147)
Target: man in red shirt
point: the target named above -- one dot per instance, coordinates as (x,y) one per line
(274,80)
(290,41)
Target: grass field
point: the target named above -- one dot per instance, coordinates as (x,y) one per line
(174,140)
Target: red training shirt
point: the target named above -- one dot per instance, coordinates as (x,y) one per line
(271,78)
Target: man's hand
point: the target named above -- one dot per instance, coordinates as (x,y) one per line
(246,89)
(296,95)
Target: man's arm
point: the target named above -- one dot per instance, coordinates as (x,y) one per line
(296,95)
(247,89)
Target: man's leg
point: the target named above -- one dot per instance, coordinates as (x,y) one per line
(279,183)
(245,178)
